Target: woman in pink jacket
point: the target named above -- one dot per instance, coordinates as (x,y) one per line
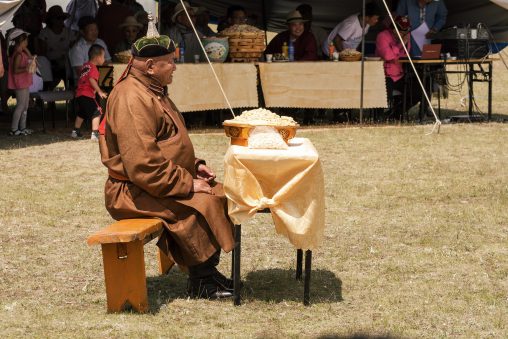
(390,49)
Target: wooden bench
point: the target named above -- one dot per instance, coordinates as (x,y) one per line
(124,261)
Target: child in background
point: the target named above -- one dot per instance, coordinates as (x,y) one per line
(88,86)
(19,79)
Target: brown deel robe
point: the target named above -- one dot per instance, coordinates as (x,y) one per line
(151,164)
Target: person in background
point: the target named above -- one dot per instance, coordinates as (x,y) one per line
(88,87)
(202,21)
(142,18)
(390,49)
(349,33)
(78,9)
(4,65)
(303,41)
(130,28)
(29,17)
(133,5)
(57,40)
(429,12)
(20,79)
(181,32)
(319,33)
(78,54)
(108,18)
(236,15)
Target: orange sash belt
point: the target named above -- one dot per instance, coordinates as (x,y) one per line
(117,176)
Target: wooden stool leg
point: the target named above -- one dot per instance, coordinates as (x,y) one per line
(299,259)
(236,272)
(165,262)
(124,272)
(308,267)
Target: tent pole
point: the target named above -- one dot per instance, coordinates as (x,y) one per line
(363,64)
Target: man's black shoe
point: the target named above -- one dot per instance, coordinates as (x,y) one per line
(207,288)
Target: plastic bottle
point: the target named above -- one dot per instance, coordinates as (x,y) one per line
(331,50)
(177,53)
(182,52)
(291,51)
(285,50)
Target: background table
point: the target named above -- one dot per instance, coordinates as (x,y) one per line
(323,84)
(474,72)
(194,87)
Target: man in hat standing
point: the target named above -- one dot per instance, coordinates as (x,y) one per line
(181,32)
(153,171)
(302,40)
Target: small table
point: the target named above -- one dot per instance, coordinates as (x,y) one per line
(471,72)
(290,183)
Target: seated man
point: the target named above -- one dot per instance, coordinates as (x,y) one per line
(390,49)
(78,54)
(349,33)
(303,41)
(320,34)
(236,15)
(153,171)
(182,33)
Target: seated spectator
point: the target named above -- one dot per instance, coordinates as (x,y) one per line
(202,21)
(78,54)
(142,18)
(57,40)
(319,33)
(182,34)
(303,41)
(236,15)
(29,18)
(108,18)
(130,28)
(390,49)
(78,9)
(349,33)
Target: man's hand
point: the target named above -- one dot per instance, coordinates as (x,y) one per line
(205,173)
(201,186)
(430,34)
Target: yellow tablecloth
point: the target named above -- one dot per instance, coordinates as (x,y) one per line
(194,87)
(323,84)
(289,182)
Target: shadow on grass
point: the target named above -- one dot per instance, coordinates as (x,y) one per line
(356,336)
(37,139)
(277,285)
(163,289)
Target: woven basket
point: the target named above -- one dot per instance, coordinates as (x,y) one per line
(245,44)
(356,57)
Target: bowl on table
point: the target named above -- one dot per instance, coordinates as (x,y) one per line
(239,133)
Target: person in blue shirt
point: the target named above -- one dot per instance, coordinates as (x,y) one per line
(432,12)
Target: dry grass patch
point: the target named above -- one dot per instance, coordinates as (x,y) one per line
(416,243)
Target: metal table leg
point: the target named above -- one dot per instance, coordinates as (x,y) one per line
(308,267)
(299,259)
(236,264)
(489,112)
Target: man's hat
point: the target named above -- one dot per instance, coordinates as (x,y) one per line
(130,21)
(179,9)
(16,32)
(152,45)
(295,16)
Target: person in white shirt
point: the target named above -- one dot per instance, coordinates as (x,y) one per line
(78,54)
(349,33)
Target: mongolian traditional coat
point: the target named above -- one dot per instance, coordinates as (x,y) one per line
(151,164)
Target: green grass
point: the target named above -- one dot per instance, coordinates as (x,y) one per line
(416,243)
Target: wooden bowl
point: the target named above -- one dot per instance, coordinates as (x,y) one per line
(239,133)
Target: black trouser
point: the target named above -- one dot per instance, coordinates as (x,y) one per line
(205,269)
